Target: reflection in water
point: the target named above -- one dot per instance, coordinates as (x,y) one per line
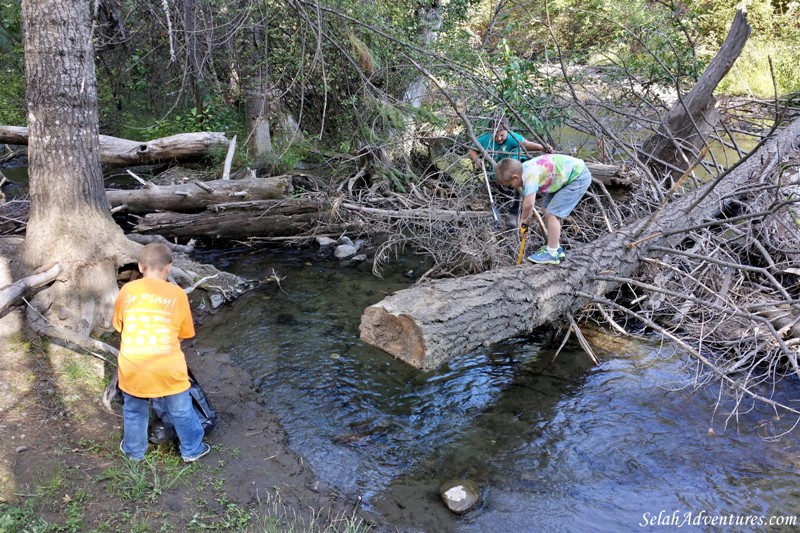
(555,446)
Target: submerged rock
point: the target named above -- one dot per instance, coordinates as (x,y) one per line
(459,495)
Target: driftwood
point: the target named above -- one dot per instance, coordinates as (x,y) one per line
(118,152)
(13,292)
(198,195)
(694,116)
(614,175)
(239,220)
(429,323)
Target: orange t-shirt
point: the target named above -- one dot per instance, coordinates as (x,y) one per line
(152,315)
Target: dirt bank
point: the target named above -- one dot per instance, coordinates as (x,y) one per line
(60,464)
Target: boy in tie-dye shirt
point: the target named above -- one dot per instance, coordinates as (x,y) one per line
(563,179)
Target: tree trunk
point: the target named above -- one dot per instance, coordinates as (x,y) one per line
(198,196)
(117,152)
(427,324)
(429,21)
(66,182)
(256,85)
(693,117)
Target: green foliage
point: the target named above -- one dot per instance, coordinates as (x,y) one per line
(751,74)
(10,26)
(12,97)
(14,519)
(215,116)
(12,89)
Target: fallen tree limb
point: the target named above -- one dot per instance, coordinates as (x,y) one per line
(117,152)
(418,214)
(13,292)
(429,323)
(198,196)
(239,220)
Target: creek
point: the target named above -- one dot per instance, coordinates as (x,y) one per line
(554,445)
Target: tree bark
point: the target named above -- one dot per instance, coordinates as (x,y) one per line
(116,152)
(198,196)
(66,181)
(427,324)
(694,116)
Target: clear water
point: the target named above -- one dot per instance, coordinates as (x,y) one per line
(554,445)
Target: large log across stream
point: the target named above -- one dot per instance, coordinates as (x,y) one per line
(428,323)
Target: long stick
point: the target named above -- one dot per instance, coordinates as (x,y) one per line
(495,216)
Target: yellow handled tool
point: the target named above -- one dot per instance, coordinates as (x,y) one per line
(523,230)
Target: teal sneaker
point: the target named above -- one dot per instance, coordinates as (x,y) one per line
(561,254)
(543,257)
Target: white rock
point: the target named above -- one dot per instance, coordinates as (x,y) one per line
(345,250)
(325,241)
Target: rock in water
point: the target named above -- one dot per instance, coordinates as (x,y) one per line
(459,495)
(344,250)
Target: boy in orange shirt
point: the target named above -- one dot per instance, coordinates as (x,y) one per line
(152,316)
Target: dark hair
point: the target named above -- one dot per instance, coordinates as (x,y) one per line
(499,123)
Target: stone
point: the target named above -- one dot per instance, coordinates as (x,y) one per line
(360,258)
(345,250)
(344,240)
(216,300)
(325,241)
(459,495)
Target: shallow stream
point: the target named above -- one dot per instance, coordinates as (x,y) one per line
(554,445)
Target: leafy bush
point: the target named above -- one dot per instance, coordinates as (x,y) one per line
(215,116)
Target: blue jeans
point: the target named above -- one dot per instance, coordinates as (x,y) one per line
(136,416)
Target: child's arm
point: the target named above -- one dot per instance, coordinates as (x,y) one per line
(527,208)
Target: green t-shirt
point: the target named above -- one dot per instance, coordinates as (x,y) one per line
(511,147)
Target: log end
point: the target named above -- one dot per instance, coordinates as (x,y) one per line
(396,335)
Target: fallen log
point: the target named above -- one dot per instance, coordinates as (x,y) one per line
(614,176)
(428,323)
(239,220)
(197,196)
(117,152)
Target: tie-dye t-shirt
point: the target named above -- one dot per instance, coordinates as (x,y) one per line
(548,173)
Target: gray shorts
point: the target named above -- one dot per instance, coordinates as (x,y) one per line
(563,201)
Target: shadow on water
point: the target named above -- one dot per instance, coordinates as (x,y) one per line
(561,446)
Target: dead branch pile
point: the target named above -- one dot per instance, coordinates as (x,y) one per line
(730,294)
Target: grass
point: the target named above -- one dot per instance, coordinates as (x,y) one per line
(145,480)
(751,75)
